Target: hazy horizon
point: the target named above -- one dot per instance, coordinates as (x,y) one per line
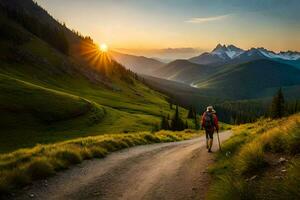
(152,28)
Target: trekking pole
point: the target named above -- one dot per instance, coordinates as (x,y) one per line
(219,140)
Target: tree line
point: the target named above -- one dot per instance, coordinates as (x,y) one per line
(280,108)
(176,122)
(55,36)
(238,112)
(248,111)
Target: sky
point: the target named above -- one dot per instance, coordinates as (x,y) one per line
(163,28)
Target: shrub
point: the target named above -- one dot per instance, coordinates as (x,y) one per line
(39,168)
(151,138)
(69,156)
(98,152)
(173,137)
(14,178)
(86,153)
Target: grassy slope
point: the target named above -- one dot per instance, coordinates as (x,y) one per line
(183,93)
(184,71)
(249,166)
(47,84)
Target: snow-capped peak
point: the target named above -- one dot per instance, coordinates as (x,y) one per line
(288,55)
(224,51)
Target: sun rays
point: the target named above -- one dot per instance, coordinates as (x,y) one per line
(96,56)
(103,48)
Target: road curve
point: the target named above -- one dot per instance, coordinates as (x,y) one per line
(151,172)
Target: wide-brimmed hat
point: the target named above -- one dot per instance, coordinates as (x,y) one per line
(210,109)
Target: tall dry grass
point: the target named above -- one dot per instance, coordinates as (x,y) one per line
(245,157)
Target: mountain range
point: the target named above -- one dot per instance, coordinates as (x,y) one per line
(223,54)
(234,73)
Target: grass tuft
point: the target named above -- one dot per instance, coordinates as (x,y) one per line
(98,152)
(69,155)
(251,158)
(39,168)
(231,188)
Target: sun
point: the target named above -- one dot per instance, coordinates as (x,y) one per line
(103,48)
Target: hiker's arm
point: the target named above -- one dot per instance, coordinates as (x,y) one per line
(202,121)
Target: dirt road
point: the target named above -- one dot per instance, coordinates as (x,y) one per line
(168,171)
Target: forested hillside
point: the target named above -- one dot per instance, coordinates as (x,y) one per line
(56,84)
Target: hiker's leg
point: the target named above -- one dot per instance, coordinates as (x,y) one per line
(210,143)
(211,133)
(207,139)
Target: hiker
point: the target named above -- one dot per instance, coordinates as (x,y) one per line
(209,123)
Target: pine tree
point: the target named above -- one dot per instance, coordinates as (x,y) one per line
(168,116)
(171,105)
(155,128)
(277,106)
(191,113)
(164,125)
(177,123)
(196,121)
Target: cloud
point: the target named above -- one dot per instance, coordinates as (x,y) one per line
(178,50)
(183,50)
(200,20)
(164,54)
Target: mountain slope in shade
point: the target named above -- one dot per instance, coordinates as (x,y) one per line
(184,71)
(207,59)
(138,64)
(253,79)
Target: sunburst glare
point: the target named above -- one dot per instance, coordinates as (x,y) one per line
(96,56)
(103,47)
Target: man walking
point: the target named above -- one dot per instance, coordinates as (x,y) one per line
(210,124)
